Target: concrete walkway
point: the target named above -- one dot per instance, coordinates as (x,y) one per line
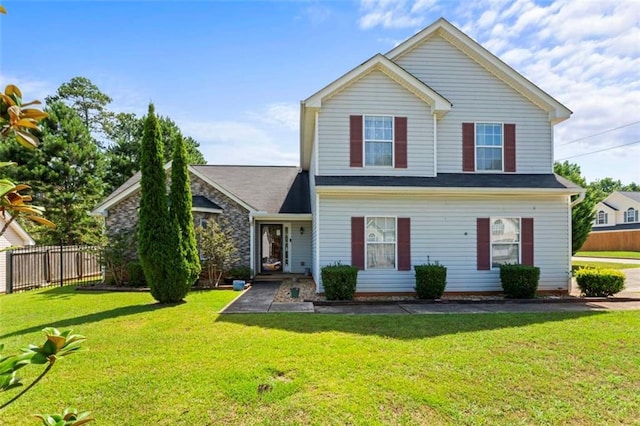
(259,299)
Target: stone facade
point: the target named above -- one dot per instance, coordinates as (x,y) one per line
(235,217)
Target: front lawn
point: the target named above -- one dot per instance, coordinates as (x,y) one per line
(608,265)
(612,254)
(188,365)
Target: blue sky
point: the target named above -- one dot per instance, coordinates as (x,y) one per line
(232,74)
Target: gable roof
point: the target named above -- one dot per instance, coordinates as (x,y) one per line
(610,206)
(635,196)
(443,28)
(256,188)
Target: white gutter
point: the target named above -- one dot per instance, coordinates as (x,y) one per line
(580,198)
(336,189)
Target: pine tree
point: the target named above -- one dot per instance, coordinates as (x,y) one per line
(155,245)
(186,265)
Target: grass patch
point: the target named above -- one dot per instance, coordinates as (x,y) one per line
(609,265)
(612,254)
(186,364)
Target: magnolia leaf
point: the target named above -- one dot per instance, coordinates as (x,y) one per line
(21,187)
(3,10)
(41,220)
(7,100)
(36,114)
(8,163)
(12,89)
(36,102)
(26,139)
(59,341)
(27,122)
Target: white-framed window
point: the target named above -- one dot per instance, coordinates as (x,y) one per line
(489,147)
(378,140)
(602,218)
(381,247)
(631,215)
(505,241)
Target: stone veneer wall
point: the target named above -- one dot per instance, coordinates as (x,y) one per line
(124,215)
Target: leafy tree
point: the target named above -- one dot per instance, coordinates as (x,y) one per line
(156,245)
(67,169)
(186,267)
(123,153)
(602,188)
(582,215)
(87,99)
(217,249)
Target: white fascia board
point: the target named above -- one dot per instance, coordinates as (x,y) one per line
(222,189)
(282,217)
(557,111)
(603,206)
(438,104)
(206,210)
(326,190)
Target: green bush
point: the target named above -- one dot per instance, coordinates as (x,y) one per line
(519,281)
(595,282)
(431,279)
(339,281)
(135,275)
(240,273)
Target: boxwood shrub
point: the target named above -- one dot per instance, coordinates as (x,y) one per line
(519,281)
(431,279)
(596,282)
(339,281)
(135,275)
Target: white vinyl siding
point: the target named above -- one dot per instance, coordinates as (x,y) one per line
(478,96)
(301,246)
(8,239)
(444,230)
(374,94)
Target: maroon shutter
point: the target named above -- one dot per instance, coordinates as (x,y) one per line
(357,242)
(509,147)
(526,236)
(468,147)
(404,244)
(484,244)
(355,140)
(400,142)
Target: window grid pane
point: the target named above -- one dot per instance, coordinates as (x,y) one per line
(505,241)
(378,140)
(381,242)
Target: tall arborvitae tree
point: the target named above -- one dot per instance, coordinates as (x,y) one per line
(582,215)
(155,248)
(186,265)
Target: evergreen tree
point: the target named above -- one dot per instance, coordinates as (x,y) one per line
(582,215)
(67,169)
(186,268)
(155,241)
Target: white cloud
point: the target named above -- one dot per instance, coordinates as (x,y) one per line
(32,89)
(392,14)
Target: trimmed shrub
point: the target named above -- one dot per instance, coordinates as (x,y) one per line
(135,275)
(239,273)
(519,281)
(431,279)
(339,281)
(595,282)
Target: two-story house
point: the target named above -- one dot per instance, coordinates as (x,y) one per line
(616,224)
(435,151)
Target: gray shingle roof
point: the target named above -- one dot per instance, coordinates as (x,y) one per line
(630,194)
(265,188)
(619,227)
(454,180)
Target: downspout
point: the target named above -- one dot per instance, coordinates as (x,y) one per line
(435,146)
(252,259)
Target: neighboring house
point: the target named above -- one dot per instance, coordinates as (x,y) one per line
(14,236)
(617,223)
(435,151)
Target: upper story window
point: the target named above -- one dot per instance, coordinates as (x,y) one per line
(631,215)
(381,242)
(489,145)
(378,140)
(505,241)
(602,218)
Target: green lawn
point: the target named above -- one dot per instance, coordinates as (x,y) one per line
(609,265)
(614,254)
(188,365)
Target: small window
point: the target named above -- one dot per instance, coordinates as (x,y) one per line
(378,140)
(381,242)
(505,241)
(602,219)
(631,215)
(489,143)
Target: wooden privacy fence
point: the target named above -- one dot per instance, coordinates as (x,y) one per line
(613,241)
(45,266)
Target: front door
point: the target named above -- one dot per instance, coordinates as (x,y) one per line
(271,248)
